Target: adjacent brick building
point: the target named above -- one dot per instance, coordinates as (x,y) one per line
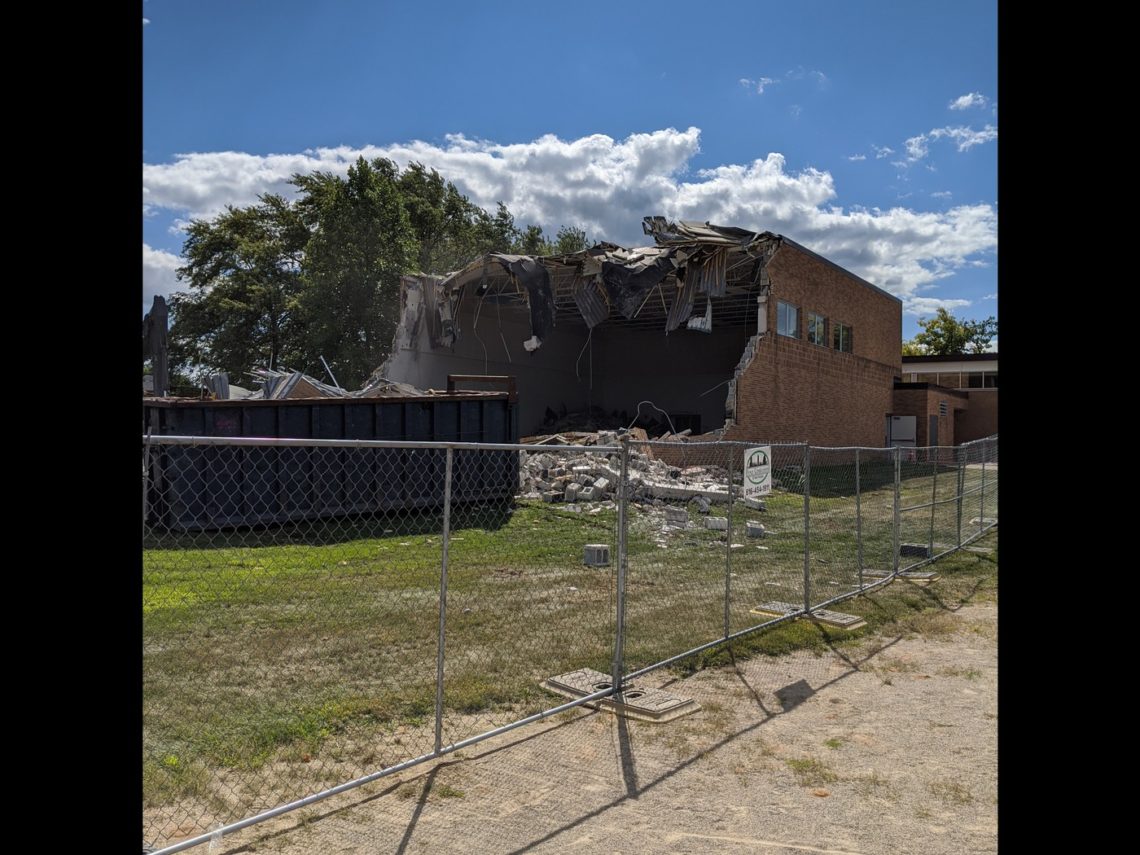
(969,381)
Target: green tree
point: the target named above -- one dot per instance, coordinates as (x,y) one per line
(945,335)
(362,241)
(496,233)
(244,272)
(449,228)
(532,242)
(569,239)
(981,334)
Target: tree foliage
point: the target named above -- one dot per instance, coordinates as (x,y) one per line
(945,335)
(286,281)
(244,272)
(361,242)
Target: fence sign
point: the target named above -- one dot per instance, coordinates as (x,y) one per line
(758,471)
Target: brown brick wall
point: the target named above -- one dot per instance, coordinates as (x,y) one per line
(923,403)
(696,453)
(798,391)
(981,419)
(815,286)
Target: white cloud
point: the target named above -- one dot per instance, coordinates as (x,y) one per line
(882,151)
(856,157)
(758,84)
(158,274)
(146,21)
(929,305)
(965,102)
(966,138)
(942,194)
(917,147)
(795,110)
(800,73)
(606,186)
(990,296)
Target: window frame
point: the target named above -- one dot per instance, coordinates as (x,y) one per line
(823,329)
(838,328)
(780,306)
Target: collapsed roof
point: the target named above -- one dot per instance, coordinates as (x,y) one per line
(642,287)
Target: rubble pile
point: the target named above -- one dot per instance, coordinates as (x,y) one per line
(584,477)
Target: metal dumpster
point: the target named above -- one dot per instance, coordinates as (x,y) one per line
(211,487)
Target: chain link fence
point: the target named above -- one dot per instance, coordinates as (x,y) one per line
(318,614)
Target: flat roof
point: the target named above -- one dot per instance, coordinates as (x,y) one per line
(959,357)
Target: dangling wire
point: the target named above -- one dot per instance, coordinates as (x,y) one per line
(637,415)
(475,330)
(499,312)
(578,361)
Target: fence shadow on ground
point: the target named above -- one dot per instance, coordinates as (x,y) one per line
(286,660)
(344,529)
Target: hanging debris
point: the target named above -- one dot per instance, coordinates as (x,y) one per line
(650,284)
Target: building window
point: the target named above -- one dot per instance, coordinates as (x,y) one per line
(974,380)
(787,319)
(841,337)
(991,381)
(817,329)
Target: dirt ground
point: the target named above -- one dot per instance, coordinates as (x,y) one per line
(889,748)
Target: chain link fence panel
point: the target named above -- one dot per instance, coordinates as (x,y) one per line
(282,657)
(317,614)
(522,604)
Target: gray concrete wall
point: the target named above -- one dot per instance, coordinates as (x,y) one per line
(671,370)
(545,377)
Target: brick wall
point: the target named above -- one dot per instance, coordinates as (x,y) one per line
(815,285)
(981,419)
(923,403)
(797,391)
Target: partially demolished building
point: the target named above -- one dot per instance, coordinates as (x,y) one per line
(729,333)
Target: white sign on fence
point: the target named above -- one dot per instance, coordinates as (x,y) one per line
(758,471)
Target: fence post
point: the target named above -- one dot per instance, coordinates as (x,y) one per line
(933,498)
(807,528)
(146,476)
(623,502)
(858,522)
(728,547)
(960,452)
(895,523)
(443,600)
(982,505)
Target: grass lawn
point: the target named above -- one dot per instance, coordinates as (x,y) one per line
(282,661)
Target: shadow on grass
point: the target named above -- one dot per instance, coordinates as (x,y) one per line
(336,529)
(886,619)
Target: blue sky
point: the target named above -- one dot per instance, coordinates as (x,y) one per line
(866,131)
